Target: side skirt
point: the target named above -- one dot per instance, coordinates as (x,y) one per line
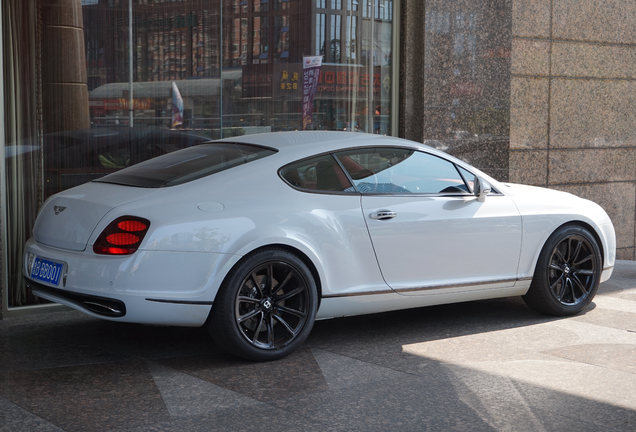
(385,301)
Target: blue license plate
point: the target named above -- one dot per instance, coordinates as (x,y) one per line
(47,271)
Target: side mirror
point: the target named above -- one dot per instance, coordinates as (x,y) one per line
(482,188)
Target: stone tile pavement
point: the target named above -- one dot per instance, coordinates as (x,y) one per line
(482,366)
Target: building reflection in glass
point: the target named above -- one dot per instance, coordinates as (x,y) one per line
(237,63)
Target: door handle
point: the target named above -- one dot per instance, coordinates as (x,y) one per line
(383,215)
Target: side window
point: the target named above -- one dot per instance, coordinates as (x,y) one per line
(401,171)
(322,174)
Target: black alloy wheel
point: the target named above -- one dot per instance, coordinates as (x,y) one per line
(572,270)
(267,306)
(567,274)
(272,305)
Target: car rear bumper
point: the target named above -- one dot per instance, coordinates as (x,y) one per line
(101,306)
(148,287)
(129,309)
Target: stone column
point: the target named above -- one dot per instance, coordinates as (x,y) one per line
(411,70)
(64,88)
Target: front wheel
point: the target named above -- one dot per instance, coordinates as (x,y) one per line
(567,274)
(266,307)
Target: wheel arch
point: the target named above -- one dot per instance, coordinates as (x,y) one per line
(580,223)
(288,248)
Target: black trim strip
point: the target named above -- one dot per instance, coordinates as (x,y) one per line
(359,294)
(188,302)
(429,288)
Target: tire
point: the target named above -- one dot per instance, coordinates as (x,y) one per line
(266,307)
(567,274)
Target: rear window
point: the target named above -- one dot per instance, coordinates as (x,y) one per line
(186,165)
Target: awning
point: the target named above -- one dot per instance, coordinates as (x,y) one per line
(155,89)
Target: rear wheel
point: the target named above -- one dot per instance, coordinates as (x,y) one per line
(567,274)
(266,307)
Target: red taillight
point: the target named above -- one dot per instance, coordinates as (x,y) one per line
(122,236)
(122,239)
(132,225)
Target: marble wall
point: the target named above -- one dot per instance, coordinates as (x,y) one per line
(456,78)
(573,99)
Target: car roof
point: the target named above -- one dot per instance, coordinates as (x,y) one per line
(298,144)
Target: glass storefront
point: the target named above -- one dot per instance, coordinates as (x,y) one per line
(238,64)
(87,93)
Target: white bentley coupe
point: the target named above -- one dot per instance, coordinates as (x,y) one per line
(258,236)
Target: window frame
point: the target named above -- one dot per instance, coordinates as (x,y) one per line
(357,192)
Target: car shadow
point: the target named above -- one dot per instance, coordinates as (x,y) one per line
(352,374)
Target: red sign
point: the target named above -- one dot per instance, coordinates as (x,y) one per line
(333,81)
(337,81)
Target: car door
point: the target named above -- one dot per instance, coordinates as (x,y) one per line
(428,229)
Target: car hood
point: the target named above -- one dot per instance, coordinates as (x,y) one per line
(534,200)
(521,190)
(67,219)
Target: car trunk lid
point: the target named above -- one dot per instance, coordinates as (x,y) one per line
(68,218)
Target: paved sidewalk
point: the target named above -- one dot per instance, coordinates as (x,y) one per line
(482,366)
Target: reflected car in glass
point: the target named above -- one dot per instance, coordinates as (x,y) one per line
(71,158)
(256,237)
